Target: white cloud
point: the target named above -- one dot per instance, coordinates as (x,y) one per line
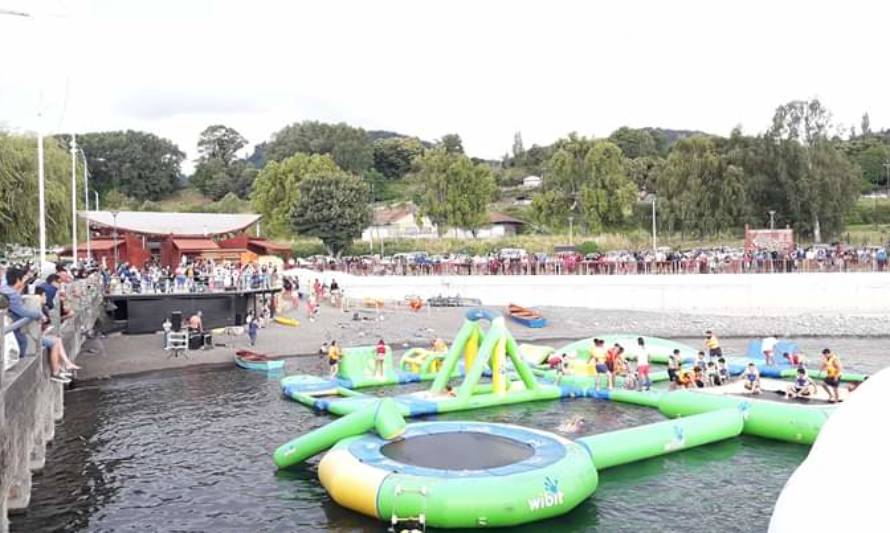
(482,69)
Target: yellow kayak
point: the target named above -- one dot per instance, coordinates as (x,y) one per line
(285,321)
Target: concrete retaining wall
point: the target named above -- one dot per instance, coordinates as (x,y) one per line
(31,404)
(725,294)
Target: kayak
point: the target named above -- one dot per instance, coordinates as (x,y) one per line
(527,317)
(285,321)
(257,361)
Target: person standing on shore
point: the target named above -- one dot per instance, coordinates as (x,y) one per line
(712,343)
(831,365)
(253,327)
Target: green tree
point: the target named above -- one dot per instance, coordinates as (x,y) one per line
(635,143)
(349,147)
(700,190)
(220,142)
(393,156)
(452,143)
(518,147)
(137,164)
(18,190)
(819,182)
(645,171)
(276,188)
(333,207)
(452,191)
(219,171)
(585,179)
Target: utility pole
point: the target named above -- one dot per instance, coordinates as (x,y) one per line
(74,198)
(654,242)
(41,194)
(86,203)
(772,219)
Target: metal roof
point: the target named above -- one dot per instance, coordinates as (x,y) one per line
(181,224)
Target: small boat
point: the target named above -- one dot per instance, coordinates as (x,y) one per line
(257,361)
(527,317)
(285,321)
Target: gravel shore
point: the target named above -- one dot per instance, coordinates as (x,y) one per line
(128,354)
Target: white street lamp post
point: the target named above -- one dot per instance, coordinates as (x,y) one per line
(114,216)
(86,203)
(41,198)
(74,198)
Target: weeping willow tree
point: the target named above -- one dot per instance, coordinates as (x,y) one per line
(18,190)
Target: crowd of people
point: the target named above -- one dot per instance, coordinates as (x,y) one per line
(199,275)
(694,261)
(19,280)
(708,369)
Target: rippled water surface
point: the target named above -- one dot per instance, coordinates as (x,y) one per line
(191,450)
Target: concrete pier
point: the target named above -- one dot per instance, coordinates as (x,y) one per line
(30,403)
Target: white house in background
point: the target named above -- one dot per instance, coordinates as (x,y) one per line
(401,222)
(531,182)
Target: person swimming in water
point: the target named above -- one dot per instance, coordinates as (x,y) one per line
(572,425)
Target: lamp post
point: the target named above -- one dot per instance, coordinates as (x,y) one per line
(772,219)
(654,233)
(41,198)
(114,237)
(97,199)
(74,198)
(86,203)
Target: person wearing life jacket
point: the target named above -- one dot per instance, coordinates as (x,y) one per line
(751,377)
(684,378)
(802,386)
(713,345)
(599,358)
(831,365)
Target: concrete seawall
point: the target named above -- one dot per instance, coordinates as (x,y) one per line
(725,294)
(31,404)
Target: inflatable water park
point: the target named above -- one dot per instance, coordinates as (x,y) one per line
(470,474)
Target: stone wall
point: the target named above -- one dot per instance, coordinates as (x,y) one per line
(31,404)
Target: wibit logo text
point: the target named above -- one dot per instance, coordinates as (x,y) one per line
(551,496)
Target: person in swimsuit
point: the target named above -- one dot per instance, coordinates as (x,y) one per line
(752,379)
(831,365)
(598,357)
(700,361)
(767,346)
(379,358)
(802,387)
(713,375)
(643,364)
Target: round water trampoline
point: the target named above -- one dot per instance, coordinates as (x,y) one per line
(460,474)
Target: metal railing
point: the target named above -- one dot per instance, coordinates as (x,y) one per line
(605,267)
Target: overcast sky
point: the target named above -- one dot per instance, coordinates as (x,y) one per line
(483,69)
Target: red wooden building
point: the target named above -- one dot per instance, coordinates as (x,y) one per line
(165,238)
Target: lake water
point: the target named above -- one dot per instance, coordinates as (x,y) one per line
(192,451)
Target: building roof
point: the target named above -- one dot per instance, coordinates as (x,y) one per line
(195,245)
(500,218)
(96,245)
(269,245)
(388,215)
(186,224)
